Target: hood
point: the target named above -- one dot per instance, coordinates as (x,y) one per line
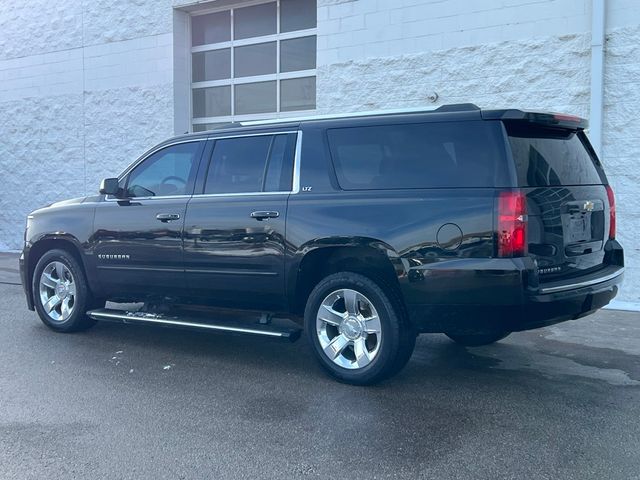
(65,203)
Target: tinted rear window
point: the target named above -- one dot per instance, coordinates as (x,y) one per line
(549,157)
(423,155)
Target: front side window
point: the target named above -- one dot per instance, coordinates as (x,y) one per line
(169,171)
(253,62)
(262,163)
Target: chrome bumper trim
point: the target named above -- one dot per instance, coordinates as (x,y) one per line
(586,283)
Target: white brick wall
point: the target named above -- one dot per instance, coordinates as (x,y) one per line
(411,26)
(85,87)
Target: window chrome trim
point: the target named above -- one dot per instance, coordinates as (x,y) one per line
(296,164)
(137,199)
(213,136)
(295,180)
(295,187)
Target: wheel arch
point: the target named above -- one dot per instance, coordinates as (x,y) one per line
(46,243)
(320,258)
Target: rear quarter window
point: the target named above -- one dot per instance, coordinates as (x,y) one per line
(545,157)
(419,155)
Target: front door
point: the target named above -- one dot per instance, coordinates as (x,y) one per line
(138,239)
(235,228)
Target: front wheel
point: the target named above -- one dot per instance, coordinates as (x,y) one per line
(358,332)
(61,294)
(479,339)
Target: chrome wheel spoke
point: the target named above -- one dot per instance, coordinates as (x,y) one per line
(372,325)
(65,310)
(328,315)
(51,303)
(71,288)
(48,280)
(336,346)
(351,301)
(60,271)
(362,354)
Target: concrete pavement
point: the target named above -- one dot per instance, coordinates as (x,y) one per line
(135,402)
(9,272)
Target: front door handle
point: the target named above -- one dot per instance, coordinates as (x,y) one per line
(167,217)
(262,215)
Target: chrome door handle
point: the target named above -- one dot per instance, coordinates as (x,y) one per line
(167,217)
(262,215)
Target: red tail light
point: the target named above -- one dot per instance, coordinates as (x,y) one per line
(511,224)
(612,212)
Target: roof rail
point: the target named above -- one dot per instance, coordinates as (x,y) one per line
(461,107)
(224,125)
(458,107)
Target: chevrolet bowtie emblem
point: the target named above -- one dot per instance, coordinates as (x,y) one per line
(588,206)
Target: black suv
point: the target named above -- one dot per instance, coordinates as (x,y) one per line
(365,230)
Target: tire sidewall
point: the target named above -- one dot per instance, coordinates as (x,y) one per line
(77,318)
(389,343)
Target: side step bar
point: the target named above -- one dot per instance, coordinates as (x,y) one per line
(195,323)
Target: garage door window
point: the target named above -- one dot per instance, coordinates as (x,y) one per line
(253,62)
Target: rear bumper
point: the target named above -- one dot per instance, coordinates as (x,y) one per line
(547,305)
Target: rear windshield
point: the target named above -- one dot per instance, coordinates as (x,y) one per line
(550,156)
(419,155)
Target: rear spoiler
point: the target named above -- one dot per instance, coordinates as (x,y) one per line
(541,118)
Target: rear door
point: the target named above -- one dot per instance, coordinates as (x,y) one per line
(567,202)
(234,232)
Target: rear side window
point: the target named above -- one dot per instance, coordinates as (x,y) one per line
(423,155)
(550,156)
(261,163)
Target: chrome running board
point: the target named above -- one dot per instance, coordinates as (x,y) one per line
(196,323)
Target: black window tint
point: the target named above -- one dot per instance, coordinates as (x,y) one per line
(279,175)
(251,164)
(237,165)
(169,171)
(551,156)
(451,154)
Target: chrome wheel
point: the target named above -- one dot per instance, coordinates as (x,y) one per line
(349,329)
(57,291)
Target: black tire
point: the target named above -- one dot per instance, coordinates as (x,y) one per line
(82,300)
(397,337)
(478,339)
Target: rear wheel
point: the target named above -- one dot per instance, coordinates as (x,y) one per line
(359,333)
(478,339)
(61,294)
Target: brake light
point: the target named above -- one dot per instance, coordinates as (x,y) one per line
(511,224)
(563,117)
(612,212)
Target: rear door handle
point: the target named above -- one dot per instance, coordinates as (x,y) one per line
(261,215)
(167,217)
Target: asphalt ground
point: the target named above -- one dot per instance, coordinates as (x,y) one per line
(122,402)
